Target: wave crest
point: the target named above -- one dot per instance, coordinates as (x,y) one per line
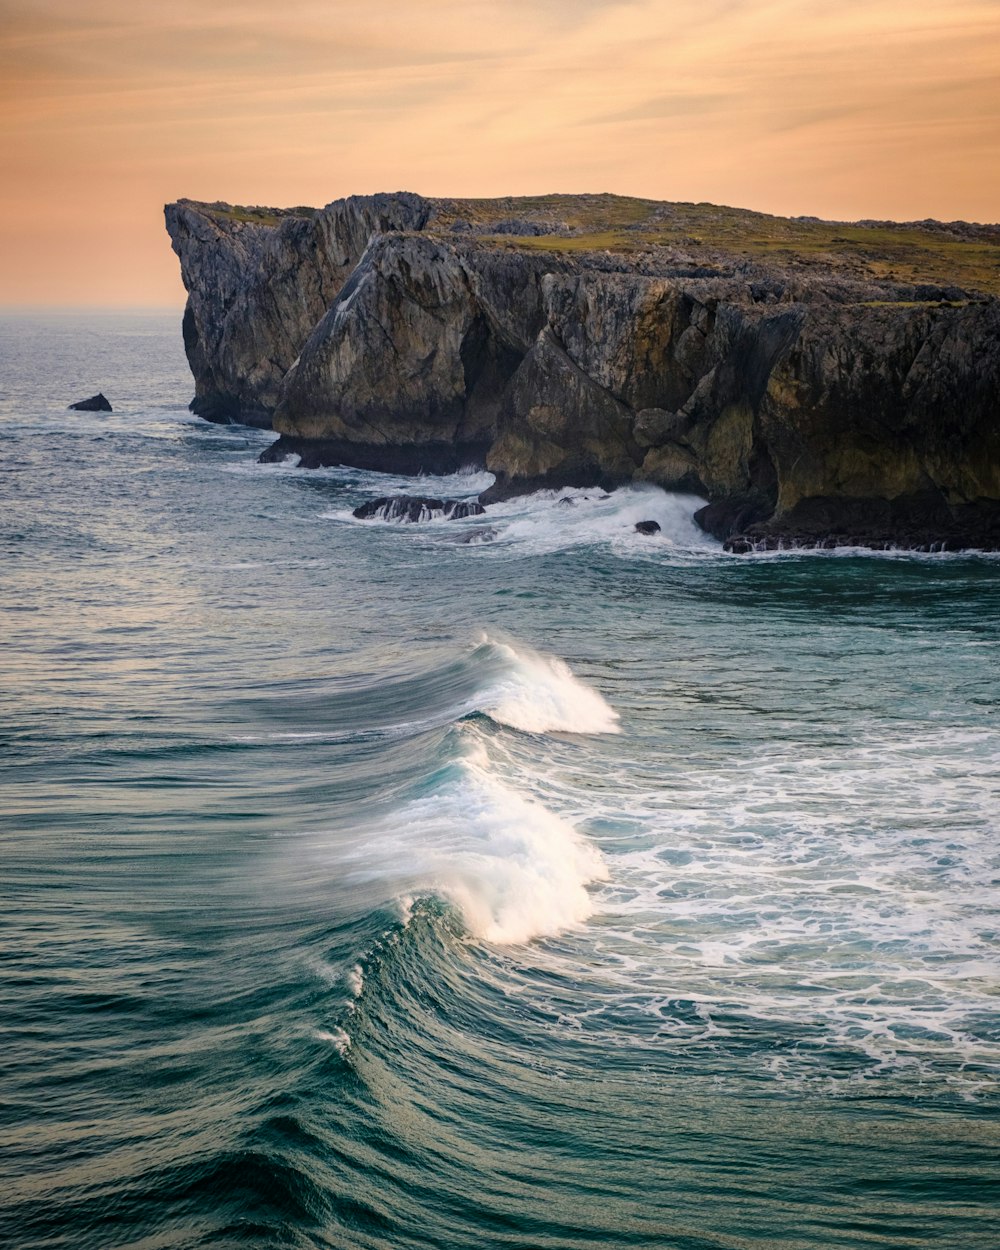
(514,870)
(539,694)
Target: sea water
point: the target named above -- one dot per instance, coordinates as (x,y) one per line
(517,881)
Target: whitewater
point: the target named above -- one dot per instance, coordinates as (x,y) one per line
(516,880)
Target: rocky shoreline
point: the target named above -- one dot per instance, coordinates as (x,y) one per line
(820,385)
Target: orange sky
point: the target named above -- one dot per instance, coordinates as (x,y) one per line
(859,108)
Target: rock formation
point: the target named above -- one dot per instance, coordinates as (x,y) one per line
(816,382)
(96,403)
(417,508)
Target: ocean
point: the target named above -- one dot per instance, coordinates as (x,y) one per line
(515,881)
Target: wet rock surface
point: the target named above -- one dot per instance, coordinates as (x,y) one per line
(405,460)
(414,508)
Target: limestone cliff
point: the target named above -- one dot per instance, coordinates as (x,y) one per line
(258,281)
(816,383)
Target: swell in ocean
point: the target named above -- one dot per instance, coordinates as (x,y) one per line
(791,910)
(439,813)
(515,880)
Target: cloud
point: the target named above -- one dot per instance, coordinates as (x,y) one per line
(665,106)
(856,108)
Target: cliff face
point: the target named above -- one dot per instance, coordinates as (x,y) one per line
(810,395)
(258,281)
(418,349)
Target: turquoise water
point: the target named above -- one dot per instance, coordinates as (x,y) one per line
(368,888)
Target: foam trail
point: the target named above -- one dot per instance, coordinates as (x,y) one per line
(338,1039)
(539,694)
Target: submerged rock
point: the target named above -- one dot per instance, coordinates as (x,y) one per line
(647,527)
(417,508)
(96,403)
(473,538)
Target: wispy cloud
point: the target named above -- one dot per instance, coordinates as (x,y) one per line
(659,107)
(854,108)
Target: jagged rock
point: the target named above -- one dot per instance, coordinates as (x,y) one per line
(647,527)
(402,460)
(728,517)
(259,281)
(526,227)
(96,403)
(915,522)
(417,508)
(560,426)
(451,324)
(672,467)
(400,333)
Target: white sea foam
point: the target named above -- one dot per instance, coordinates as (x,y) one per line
(463,484)
(539,694)
(550,521)
(355,980)
(338,1039)
(514,870)
(840,899)
(559,520)
(522,871)
(288,464)
(793,553)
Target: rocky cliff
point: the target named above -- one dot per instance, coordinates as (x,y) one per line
(816,382)
(258,281)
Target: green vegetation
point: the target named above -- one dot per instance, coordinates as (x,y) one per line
(910,253)
(256,216)
(607,241)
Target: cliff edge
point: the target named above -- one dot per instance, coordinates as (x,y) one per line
(817,382)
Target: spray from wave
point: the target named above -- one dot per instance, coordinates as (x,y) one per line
(513,870)
(539,694)
(549,521)
(443,800)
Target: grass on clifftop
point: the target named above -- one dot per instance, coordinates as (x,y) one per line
(944,255)
(253,215)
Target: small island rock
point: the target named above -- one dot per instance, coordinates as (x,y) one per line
(96,403)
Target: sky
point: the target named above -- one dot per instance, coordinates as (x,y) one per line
(110,108)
